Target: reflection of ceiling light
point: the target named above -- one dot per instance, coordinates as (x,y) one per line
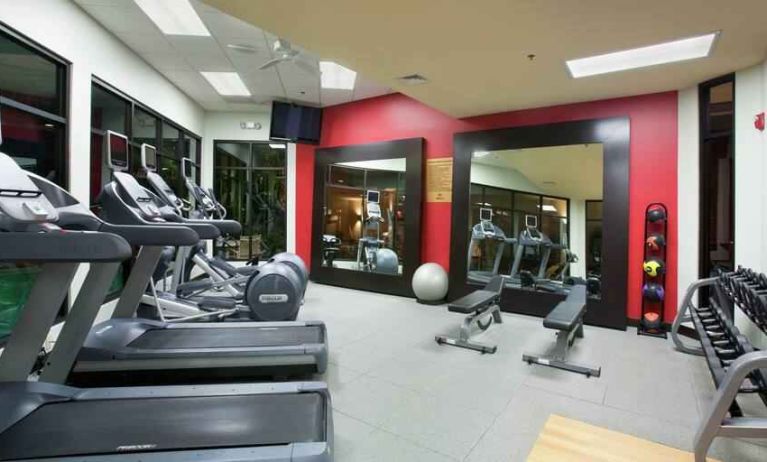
(480,154)
(662,53)
(49,125)
(174,17)
(549,208)
(336,77)
(276,146)
(227,83)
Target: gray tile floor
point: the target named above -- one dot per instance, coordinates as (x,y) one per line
(398,396)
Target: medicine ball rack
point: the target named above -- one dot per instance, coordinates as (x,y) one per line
(654,309)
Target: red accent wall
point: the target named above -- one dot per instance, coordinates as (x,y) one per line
(653,165)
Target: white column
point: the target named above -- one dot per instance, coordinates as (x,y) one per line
(688,188)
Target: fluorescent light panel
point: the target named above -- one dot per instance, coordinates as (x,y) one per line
(227,83)
(276,145)
(549,208)
(336,77)
(663,53)
(174,17)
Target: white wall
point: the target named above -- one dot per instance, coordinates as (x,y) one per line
(227,126)
(688,189)
(750,179)
(513,179)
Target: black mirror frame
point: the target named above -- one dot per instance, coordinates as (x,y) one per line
(412,150)
(614,135)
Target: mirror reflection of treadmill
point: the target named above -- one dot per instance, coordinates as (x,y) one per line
(531,223)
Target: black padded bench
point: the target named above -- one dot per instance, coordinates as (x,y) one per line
(477,305)
(567,319)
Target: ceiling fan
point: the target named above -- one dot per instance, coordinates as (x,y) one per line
(284,52)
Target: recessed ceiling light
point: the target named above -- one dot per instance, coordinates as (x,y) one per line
(336,77)
(174,17)
(276,146)
(227,83)
(662,53)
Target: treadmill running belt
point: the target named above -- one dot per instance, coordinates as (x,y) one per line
(163,424)
(237,337)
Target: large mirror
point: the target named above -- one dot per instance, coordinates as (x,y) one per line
(536,217)
(367,215)
(546,206)
(364,216)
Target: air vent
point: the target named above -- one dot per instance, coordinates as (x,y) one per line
(413,79)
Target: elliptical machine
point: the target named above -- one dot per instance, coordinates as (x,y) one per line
(270,293)
(486,231)
(372,256)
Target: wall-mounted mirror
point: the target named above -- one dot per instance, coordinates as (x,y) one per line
(366,227)
(364,224)
(536,217)
(547,207)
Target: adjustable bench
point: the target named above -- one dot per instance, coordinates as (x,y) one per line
(478,305)
(567,319)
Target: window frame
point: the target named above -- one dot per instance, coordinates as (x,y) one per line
(63,85)
(135,104)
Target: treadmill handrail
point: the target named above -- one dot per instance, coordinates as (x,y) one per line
(63,247)
(154,235)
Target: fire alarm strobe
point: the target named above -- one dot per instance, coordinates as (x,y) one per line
(759,121)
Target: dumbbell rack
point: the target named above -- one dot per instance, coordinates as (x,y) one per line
(660,228)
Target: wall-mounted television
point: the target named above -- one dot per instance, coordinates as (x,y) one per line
(291,122)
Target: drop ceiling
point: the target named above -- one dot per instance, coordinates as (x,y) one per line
(475,54)
(182,58)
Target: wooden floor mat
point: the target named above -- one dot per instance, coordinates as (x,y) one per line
(567,440)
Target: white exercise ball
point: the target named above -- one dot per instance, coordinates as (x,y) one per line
(430,282)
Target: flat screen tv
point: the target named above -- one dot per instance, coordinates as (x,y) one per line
(300,124)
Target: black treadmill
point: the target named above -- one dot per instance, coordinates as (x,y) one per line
(52,422)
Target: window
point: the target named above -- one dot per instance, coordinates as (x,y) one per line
(250,181)
(509,210)
(111,110)
(33,132)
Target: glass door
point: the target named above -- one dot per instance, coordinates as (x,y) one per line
(250,181)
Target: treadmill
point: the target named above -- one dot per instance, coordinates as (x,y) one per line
(130,350)
(486,231)
(47,421)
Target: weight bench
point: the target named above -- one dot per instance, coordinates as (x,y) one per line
(567,319)
(478,305)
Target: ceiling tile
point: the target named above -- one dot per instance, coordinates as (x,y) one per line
(210,62)
(125,17)
(166,61)
(187,45)
(330,97)
(263,82)
(145,41)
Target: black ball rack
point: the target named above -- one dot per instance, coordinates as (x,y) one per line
(651,321)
